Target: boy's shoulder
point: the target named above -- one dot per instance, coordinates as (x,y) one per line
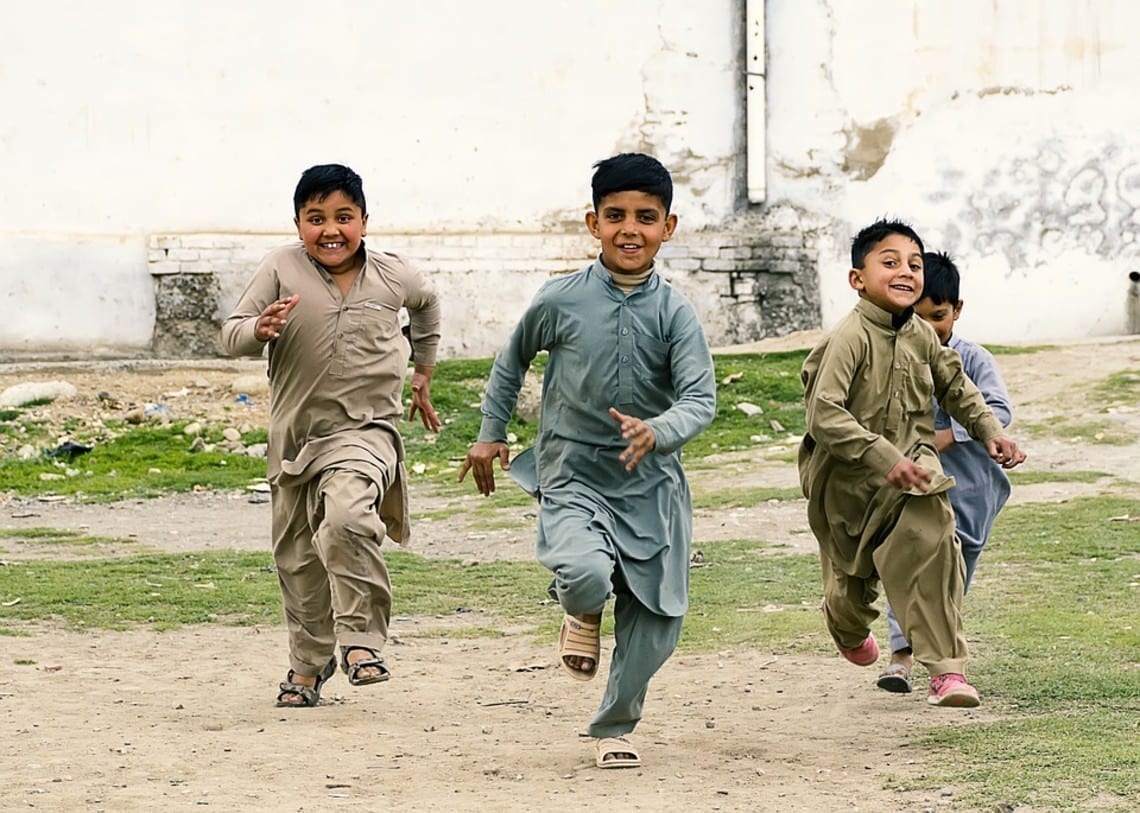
(974,356)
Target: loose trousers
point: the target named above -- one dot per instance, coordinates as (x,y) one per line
(334,582)
(919,563)
(643,642)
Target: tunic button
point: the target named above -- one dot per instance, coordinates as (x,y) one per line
(898,365)
(625,331)
(625,359)
(898,394)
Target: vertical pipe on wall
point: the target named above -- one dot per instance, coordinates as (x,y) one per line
(755,121)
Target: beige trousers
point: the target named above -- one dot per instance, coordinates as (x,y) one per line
(334,583)
(920,565)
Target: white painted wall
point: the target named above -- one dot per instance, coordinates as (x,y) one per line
(126,118)
(1005,130)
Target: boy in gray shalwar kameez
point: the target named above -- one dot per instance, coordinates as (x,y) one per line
(629,381)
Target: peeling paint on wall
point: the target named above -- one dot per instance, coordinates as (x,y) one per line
(868,147)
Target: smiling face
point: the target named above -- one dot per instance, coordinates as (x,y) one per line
(941,317)
(891,276)
(331,230)
(631,226)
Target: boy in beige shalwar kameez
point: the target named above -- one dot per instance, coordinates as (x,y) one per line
(329,310)
(877,500)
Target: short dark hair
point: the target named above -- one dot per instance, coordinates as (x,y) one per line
(632,170)
(874,234)
(941,278)
(322,180)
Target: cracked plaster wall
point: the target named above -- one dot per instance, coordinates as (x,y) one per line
(1003,131)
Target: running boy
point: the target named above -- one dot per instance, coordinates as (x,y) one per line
(981,486)
(876,492)
(328,309)
(629,381)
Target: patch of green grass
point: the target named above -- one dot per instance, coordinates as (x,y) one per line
(124,467)
(1032,477)
(59,536)
(1053,616)
(9,415)
(770,381)
(744,497)
(1108,433)
(1123,386)
(1018,350)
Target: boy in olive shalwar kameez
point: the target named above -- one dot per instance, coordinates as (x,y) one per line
(615,510)
(877,500)
(329,310)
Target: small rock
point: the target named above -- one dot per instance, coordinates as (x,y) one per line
(251,385)
(231,434)
(26,452)
(50,475)
(256,450)
(777,426)
(198,445)
(192,429)
(750,409)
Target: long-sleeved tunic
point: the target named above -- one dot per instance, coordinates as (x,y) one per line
(869,390)
(337,371)
(644,354)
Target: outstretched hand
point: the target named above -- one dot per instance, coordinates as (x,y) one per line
(272,319)
(480,458)
(642,439)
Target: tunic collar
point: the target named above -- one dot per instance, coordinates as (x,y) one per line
(599,271)
(881,316)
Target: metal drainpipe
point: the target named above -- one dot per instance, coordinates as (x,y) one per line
(755,122)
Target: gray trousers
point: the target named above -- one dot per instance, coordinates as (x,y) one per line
(643,641)
(334,582)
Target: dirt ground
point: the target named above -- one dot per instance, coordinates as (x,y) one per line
(182,720)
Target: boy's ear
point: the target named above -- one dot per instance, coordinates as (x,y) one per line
(364,225)
(670,227)
(592,223)
(855,279)
(297,225)
(958,309)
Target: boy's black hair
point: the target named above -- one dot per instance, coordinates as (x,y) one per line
(322,180)
(874,234)
(941,278)
(632,170)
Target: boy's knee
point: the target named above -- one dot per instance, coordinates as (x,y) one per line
(584,585)
(349,507)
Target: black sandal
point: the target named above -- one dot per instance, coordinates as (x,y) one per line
(310,695)
(352,669)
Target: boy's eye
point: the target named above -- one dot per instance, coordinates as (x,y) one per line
(648,218)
